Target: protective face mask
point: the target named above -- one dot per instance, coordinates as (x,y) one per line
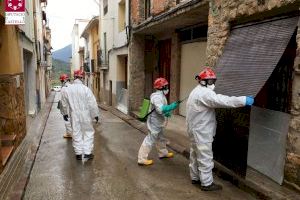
(166,91)
(212,87)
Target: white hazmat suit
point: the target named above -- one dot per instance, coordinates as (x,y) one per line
(83,108)
(156,122)
(201,125)
(67,123)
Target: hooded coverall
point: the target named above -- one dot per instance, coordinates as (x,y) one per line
(83,108)
(201,125)
(155,123)
(67,123)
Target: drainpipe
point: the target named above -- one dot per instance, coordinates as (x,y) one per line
(128,32)
(128,28)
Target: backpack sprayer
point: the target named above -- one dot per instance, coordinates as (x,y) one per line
(145,107)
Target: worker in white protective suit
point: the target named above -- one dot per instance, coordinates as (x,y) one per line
(201,126)
(156,122)
(65,81)
(83,108)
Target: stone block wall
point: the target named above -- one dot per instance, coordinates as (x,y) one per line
(12,106)
(175,69)
(221,14)
(137,72)
(292,167)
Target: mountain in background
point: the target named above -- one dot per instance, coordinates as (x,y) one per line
(59,67)
(63,54)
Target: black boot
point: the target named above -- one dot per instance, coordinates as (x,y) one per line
(211,187)
(79,157)
(89,156)
(196,182)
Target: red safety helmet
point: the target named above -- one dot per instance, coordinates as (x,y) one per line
(159,83)
(78,73)
(207,73)
(63,77)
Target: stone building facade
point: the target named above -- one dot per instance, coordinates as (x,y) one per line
(19,76)
(12,116)
(157,44)
(222,15)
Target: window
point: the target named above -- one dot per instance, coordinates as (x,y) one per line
(147,8)
(121,15)
(93,65)
(193,33)
(105,6)
(98,57)
(86,67)
(105,48)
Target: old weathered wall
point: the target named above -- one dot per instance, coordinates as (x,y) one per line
(12,106)
(292,168)
(137,14)
(175,69)
(136,72)
(221,14)
(10,54)
(157,7)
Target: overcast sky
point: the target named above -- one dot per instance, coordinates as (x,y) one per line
(62,15)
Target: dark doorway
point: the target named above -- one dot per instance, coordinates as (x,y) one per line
(277,92)
(126,71)
(110,93)
(164,61)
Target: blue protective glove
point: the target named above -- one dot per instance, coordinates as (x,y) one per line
(169,108)
(249,101)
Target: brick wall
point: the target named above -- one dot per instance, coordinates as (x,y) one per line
(136,12)
(157,7)
(221,14)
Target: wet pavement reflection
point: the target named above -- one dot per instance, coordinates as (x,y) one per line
(114,173)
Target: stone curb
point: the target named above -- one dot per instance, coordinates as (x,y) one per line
(15,177)
(220,170)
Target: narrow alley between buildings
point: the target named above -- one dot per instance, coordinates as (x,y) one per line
(114,173)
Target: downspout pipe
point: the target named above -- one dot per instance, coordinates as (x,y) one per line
(128,28)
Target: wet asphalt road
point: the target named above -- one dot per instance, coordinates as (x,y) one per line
(114,173)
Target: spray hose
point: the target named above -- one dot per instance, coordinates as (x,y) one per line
(178,101)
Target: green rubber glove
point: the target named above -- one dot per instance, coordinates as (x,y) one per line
(169,108)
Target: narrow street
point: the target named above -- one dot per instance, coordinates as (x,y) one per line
(114,173)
